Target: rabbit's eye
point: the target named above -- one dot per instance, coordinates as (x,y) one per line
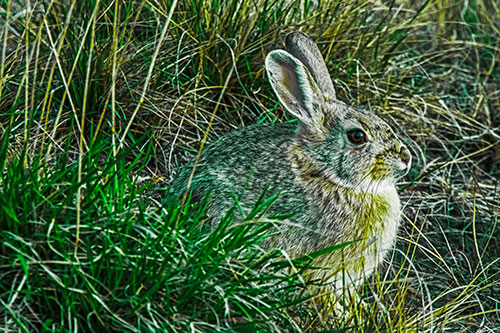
(357,136)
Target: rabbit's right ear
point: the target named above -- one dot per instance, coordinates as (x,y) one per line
(305,49)
(295,88)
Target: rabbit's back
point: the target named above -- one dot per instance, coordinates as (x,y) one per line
(241,165)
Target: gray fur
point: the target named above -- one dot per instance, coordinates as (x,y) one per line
(339,191)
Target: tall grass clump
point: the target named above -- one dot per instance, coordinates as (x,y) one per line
(130,264)
(101,100)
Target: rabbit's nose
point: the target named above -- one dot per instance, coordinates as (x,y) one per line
(405,155)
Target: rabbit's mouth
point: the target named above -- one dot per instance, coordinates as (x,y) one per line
(392,168)
(401,168)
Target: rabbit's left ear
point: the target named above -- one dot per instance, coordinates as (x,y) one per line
(296,89)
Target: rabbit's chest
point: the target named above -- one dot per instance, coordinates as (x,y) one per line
(370,220)
(372,225)
(382,218)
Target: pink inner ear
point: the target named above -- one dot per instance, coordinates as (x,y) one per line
(289,81)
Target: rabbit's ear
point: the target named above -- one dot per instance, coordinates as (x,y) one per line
(295,88)
(304,49)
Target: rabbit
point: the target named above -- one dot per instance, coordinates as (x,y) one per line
(336,169)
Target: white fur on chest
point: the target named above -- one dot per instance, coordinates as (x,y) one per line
(390,225)
(379,238)
(383,234)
